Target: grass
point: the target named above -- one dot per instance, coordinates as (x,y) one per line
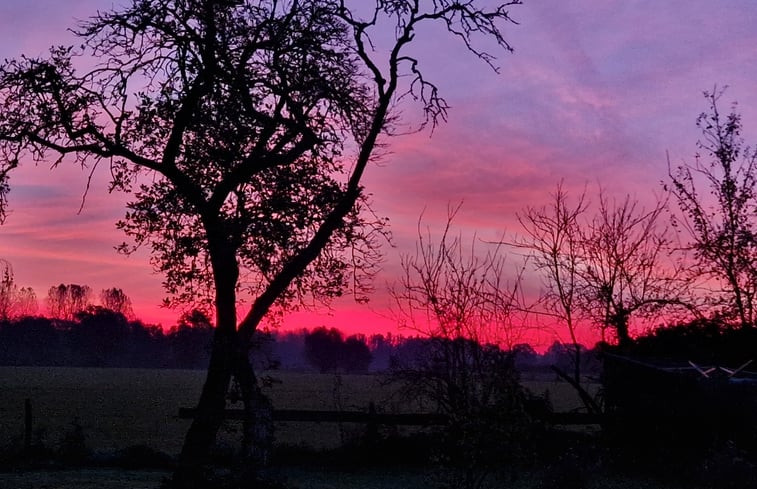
(115,407)
(299,477)
(83,479)
(118,408)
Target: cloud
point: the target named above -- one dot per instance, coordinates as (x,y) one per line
(596,92)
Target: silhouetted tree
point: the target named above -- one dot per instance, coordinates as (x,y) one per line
(327,350)
(323,347)
(15,302)
(116,300)
(148,346)
(722,222)
(451,290)
(382,348)
(289,349)
(628,269)
(604,268)
(554,241)
(191,340)
(255,122)
(563,356)
(66,301)
(525,356)
(31,341)
(355,355)
(7,290)
(101,337)
(26,303)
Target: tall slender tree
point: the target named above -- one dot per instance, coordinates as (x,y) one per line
(553,240)
(15,301)
(718,197)
(243,129)
(7,290)
(26,303)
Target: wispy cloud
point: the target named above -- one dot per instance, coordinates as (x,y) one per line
(596,92)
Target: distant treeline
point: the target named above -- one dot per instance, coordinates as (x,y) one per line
(99,337)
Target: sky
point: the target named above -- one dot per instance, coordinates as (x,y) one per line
(597,91)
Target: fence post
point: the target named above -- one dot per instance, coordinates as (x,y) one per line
(27,425)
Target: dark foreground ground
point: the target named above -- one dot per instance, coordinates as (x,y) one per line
(113,409)
(303,478)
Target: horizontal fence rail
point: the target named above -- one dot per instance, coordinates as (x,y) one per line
(304,415)
(390,419)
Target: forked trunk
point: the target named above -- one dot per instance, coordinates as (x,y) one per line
(191,470)
(257,435)
(228,358)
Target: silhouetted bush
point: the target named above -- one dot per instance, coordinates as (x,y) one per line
(477,388)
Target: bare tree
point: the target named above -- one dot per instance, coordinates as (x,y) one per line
(629,269)
(15,301)
(7,290)
(717,196)
(553,239)
(606,268)
(243,130)
(114,299)
(452,290)
(66,301)
(554,242)
(25,303)
(461,299)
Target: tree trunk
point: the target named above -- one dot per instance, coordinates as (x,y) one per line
(624,338)
(193,460)
(619,321)
(257,429)
(190,473)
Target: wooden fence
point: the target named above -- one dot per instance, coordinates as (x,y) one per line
(371,417)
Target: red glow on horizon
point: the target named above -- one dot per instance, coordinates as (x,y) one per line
(579,100)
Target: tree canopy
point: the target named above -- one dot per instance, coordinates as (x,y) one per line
(716,194)
(242,130)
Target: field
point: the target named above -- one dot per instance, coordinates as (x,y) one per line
(300,478)
(117,408)
(123,407)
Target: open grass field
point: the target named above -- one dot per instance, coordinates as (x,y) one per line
(118,408)
(301,478)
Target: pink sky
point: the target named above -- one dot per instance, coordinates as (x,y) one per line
(596,91)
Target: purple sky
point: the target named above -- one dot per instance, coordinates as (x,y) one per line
(597,91)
